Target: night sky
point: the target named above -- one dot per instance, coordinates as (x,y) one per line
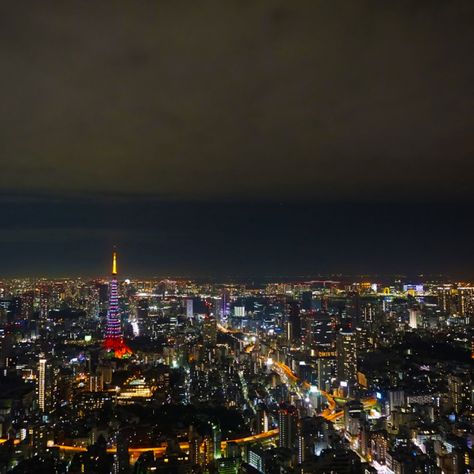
(237,137)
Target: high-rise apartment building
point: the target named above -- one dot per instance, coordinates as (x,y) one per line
(209,331)
(288,425)
(44,385)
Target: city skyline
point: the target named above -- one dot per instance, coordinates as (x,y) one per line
(359,377)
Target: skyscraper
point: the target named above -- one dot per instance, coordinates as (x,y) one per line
(113,341)
(346,356)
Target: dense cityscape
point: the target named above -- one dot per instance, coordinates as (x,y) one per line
(330,375)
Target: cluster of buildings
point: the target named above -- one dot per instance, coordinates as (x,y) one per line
(142,376)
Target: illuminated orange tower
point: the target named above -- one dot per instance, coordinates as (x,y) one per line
(113,341)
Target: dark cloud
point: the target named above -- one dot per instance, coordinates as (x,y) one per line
(314,99)
(236,137)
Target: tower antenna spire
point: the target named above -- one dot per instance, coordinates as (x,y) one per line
(114,262)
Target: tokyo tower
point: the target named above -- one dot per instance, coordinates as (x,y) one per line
(113,341)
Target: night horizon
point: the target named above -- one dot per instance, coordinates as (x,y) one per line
(47,235)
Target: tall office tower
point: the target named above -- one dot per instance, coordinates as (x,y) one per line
(222,308)
(307,300)
(301,447)
(445,302)
(256,458)
(288,425)
(113,341)
(6,343)
(294,322)
(346,356)
(44,386)
(261,419)
(353,310)
(27,304)
(208,449)
(326,369)
(396,399)
(306,320)
(194,446)
(465,301)
(95,384)
(144,324)
(369,312)
(414,317)
(190,308)
(103,293)
(322,331)
(209,331)
(44,302)
(460,392)
(353,416)
(122,463)
(216,439)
